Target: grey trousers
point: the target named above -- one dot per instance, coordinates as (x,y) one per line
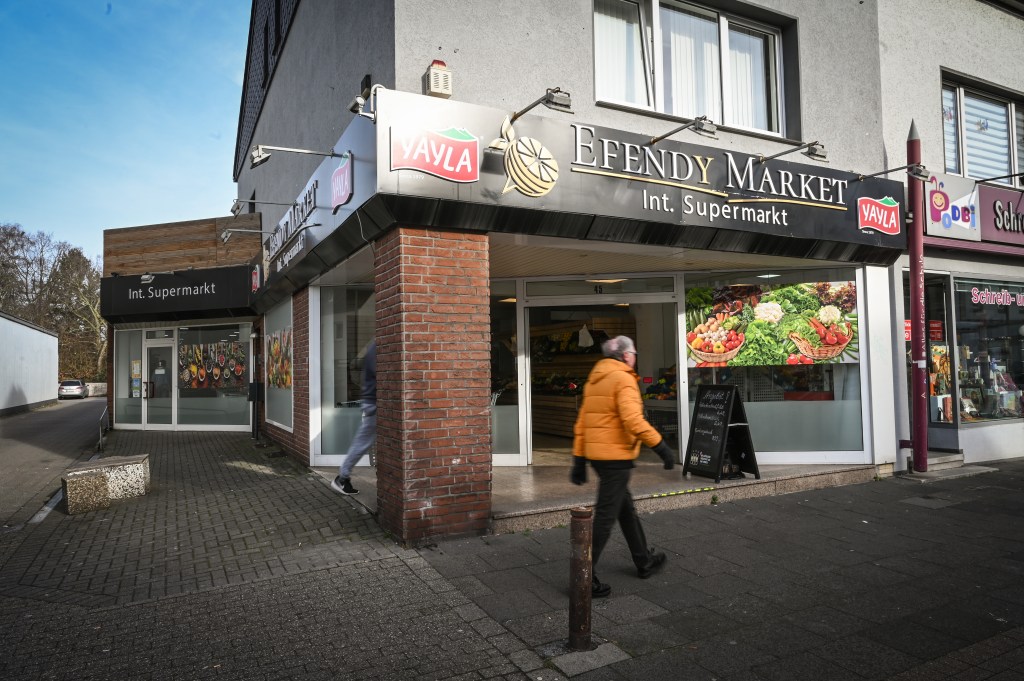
(366,434)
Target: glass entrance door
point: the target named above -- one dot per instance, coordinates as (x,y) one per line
(158,387)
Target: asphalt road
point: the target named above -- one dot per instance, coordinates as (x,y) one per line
(36,447)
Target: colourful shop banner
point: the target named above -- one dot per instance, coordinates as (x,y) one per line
(1001,215)
(952,207)
(806,323)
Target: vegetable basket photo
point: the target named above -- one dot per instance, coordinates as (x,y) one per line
(716,356)
(829,351)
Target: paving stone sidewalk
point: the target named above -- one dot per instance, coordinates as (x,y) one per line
(237,564)
(243,565)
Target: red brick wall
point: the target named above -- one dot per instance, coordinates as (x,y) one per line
(296,443)
(433,384)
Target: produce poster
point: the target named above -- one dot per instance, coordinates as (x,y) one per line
(212,365)
(751,325)
(279,359)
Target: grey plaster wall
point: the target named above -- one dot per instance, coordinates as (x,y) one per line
(505,54)
(329,48)
(919,41)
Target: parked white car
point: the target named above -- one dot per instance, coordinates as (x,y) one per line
(72,388)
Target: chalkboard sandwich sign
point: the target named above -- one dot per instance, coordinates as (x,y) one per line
(720,444)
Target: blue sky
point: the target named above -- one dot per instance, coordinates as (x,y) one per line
(117,114)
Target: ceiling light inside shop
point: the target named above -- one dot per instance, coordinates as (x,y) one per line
(507,300)
(606,281)
(768,276)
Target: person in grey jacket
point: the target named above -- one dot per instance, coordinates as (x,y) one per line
(366,434)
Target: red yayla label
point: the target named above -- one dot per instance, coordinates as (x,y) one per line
(341,184)
(882,216)
(451,154)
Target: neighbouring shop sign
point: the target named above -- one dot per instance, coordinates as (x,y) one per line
(952,207)
(1001,215)
(220,291)
(465,153)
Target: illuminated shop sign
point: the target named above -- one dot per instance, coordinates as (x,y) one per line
(544,163)
(1001,215)
(174,295)
(952,207)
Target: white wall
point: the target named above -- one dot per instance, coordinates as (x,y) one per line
(28,374)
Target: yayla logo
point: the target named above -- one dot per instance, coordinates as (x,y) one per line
(452,154)
(341,184)
(881,216)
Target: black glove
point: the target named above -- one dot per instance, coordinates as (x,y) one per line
(667,455)
(579,470)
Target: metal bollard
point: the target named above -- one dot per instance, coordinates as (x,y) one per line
(580,578)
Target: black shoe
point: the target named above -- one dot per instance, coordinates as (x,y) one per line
(599,589)
(654,564)
(343,485)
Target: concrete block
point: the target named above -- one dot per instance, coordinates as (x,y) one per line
(126,476)
(84,491)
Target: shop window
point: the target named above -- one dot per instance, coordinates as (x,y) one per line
(213,374)
(790,343)
(504,369)
(128,377)
(705,63)
(347,326)
(990,349)
(977,135)
(277,353)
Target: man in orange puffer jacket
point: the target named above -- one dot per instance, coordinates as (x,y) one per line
(609,430)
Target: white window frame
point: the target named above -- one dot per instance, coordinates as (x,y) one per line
(1013,108)
(650,25)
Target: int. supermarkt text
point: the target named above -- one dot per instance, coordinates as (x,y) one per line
(172,291)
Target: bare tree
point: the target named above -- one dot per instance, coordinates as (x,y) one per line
(53,285)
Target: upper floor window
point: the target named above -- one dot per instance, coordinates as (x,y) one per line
(696,62)
(982,135)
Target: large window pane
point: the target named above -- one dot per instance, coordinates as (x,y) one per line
(790,345)
(128,377)
(504,369)
(752,79)
(620,67)
(346,327)
(1020,142)
(987,137)
(277,351)
(990,349)
(213,374)
(950,136)
(691,63)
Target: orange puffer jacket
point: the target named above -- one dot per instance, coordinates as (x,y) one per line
(611,424)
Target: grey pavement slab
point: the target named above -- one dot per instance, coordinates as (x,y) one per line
(239,564)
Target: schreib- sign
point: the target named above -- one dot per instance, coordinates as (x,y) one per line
(1001,215)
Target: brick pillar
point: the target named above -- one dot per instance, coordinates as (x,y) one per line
(433,384)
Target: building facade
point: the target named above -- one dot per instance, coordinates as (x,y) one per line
(491,190)
(489,246)
(29,378)
(974,231)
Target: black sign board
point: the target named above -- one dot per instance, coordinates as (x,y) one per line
(720,444)
(185,294)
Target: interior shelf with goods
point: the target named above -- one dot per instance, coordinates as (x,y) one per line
(561,357)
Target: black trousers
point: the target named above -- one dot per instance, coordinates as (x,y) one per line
(614,502)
